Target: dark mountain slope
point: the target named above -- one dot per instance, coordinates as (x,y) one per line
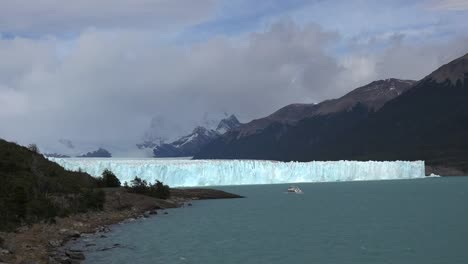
(302,128)
(372,96)
(428,122)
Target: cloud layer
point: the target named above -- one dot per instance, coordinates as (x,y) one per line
(107,86)
(56,16)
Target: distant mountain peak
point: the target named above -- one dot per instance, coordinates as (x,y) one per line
(189,145)
(228,124)
(100,153)
(456,70)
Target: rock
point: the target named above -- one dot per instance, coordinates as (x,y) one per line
(146,214)
(10,247)
(75,255)
(74,233)
(22,229)
(53,261)
(4,251)
(165,212)
(69,233)
(78,224)
(103,229)
(55,243)
(61,260)
(75,249)
(29,262)
(189,204)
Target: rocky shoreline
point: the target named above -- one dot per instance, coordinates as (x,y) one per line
(51,242)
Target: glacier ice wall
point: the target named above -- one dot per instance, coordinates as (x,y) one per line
(185,173)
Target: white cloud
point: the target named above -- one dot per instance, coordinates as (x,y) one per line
(109,84)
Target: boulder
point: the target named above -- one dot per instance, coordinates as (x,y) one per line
(75,255)
(55,243)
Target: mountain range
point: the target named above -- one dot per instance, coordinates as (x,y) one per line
(191,144)
(385,120)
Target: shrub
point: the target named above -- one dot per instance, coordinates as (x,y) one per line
(93,199)
(157,190)
(33,147)
(108,179)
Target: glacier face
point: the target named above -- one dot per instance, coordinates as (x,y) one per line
(190,173)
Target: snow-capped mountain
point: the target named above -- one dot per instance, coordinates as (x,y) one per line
(228,124)
(191,144)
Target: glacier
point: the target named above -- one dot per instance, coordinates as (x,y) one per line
(192,173)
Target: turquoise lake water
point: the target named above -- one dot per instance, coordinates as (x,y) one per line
(406,221)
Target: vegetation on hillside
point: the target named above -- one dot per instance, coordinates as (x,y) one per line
(157,190)
(33,188)
(108,179)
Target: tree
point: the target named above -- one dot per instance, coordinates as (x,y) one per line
(139,186)
(109,179)
(158,190)
(161,191)
(33,147)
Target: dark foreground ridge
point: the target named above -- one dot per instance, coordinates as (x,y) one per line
(47,243)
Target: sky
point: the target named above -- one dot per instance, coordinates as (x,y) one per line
(111,73)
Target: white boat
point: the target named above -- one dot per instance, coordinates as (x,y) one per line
(294,189)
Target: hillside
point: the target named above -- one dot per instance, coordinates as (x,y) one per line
(32,188)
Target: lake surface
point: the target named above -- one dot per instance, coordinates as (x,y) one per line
(405,221)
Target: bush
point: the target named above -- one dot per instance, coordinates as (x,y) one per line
(161,191)
(139,186)
(157,190)
(108,179)
(92,199)
(33,147)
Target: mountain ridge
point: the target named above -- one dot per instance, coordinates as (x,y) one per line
(189,145)
(428,121)
(385,90)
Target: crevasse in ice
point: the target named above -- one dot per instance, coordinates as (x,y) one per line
(185,173)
